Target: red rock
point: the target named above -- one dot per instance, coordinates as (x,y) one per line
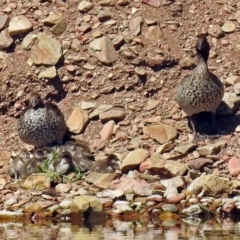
(234,166)
(175,197)
(145,165)
(107,130)
(153,3)
(199,163)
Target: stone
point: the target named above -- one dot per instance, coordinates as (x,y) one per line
(228,206)
(175,198)
(175,168)
(112,194)
(49,73)
(5,40)
(162,133)
(103,49)
(65,204)
(192,210)
(9,202)
(112,114)
(46,50)
(88,105)
(3,182)
(153,3)
(100,109)
(63,187)
(215,31)
(28,41)
(208,184)
(234,166)
(19,24)
(107,130)
(232,80)
(77,120)
(3,21)
(211,149)
(135,25)
(186,148)
(104,16)
(178,181)
(37,181)
(140,71)
(169,208)
(199,163)
(118,41)
(85,6)
(228,27)
(134,159)
(53,19)
(107,89)
(164,147)
(102,180)
(76,45)
(122,206)
(237,88)
(229,105)
(153,33)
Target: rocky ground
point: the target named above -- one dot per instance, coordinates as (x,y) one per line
(112,66)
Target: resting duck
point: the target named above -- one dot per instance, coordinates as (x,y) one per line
(41,124)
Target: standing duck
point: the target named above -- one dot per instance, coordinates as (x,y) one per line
(41,124)
(201,91)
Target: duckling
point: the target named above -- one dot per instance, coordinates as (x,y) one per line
(109,165)
(82,157)
(42,153)
(18,164)
(201,91)
(41,124)
(62,164)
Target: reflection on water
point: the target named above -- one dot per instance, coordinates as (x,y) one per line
(188,228)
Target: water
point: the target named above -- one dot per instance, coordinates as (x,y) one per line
(115,229)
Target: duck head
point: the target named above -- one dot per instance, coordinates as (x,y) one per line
(203,47)
(35,100)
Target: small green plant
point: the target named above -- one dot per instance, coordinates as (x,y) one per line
(55,176)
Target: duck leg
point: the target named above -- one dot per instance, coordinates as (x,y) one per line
(194,121)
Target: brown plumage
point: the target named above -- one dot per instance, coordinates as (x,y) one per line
(41,124)
(201,91)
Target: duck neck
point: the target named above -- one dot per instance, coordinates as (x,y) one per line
(202,67)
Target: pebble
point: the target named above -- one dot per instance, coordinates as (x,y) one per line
(65,204)
(234,166)
(103,49)
(134,159)
(77,120)
(49,73)
(228,27)
(107,130)
(3,21)
(153,3)
(5,40)
(100,109)
(135,25)
(46,50)
(162,133)
(215,31)
(112,114)
(192,210)
(85,6)
(28,41)
(19,24)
